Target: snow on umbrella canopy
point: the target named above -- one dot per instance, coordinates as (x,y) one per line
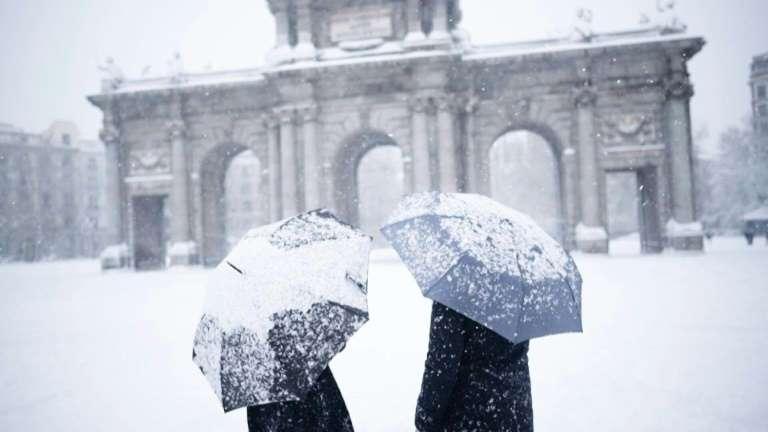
(487,262)
(280,306)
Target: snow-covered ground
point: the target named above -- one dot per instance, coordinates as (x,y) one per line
(671,343)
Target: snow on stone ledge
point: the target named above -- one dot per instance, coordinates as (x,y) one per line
(114,253)
(677,229)
(183,249)
(757,215)
(588,233)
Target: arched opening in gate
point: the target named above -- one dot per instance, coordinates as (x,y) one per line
(233,199)
(369,181)
(525,175)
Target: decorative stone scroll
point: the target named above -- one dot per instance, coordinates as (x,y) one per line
(584,96)
(144,162)
(678,86)
(636,129)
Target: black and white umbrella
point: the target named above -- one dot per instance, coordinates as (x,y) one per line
(487,262)
(280,306)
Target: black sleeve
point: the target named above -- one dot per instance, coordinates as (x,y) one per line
(446,346)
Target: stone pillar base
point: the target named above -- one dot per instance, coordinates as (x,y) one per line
(182,254)
(685,236)
(279,55)
(591,239)
(414,38)
(304,51)
(419,40)
(439,36)
(691,243)
(115,257)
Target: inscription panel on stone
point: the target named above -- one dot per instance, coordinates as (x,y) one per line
(371,22)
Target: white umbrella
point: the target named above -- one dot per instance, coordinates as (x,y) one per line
(280,306)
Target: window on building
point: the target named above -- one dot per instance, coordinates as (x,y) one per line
(66,139)
(92,163)
(761,91)
(762,110)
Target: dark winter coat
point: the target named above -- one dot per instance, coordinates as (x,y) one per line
(474,379)
(323,409)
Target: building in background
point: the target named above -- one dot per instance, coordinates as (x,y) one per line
(759,84)
(51,193)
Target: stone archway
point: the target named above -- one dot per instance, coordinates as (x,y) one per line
(524,172)
(347,173)
(380,185)
(213,172)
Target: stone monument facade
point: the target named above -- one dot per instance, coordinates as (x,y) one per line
(347,76)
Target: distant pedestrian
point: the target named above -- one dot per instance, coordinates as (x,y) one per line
(474,379)
(322,410)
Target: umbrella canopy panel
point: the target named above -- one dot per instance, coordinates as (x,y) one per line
(280,306)
(489,262)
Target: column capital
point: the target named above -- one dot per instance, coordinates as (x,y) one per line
(471,104)
(448,102)
(285,115)
(418,103)
(584,96)
(109,134)
(176,128)
(269,120)
(678,86)
(277,5)
(308,113)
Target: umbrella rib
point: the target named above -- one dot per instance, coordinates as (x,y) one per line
(350,309)
(421,216)
(235,268)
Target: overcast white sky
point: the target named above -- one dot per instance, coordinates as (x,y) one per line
(51,48)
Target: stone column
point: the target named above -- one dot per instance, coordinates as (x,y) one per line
(329,197)
(183,251)
(422,181)
(273,163)
(684,232)
(472,179)
(570,186)
(312,168)
(305,47)
(591,235)
(446,122)
(282,51)
(288,164)
(110,136)
(440,21)
(413,15)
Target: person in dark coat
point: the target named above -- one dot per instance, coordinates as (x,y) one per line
(474,379)
(322,410)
